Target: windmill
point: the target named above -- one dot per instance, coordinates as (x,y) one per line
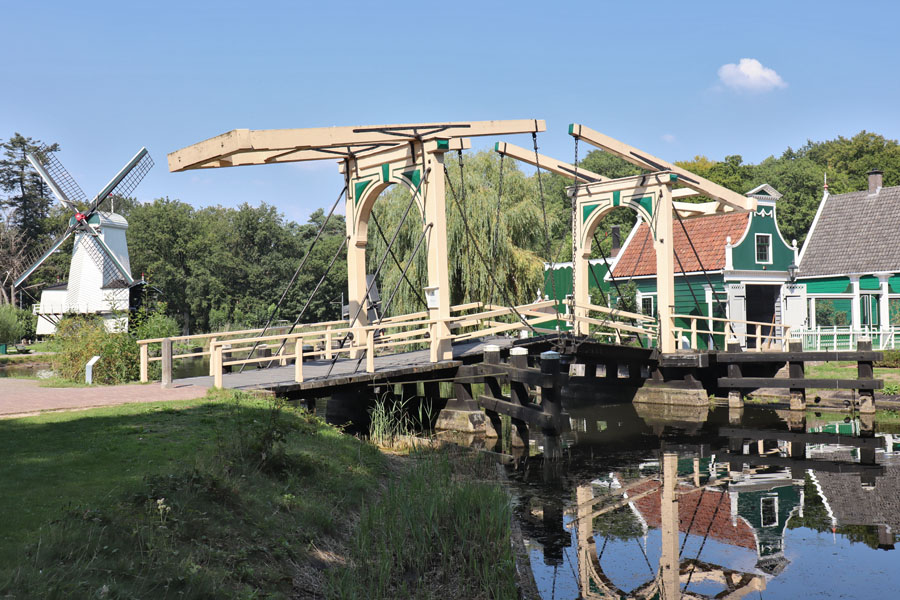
(100,272)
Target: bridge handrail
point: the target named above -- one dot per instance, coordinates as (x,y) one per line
(219,334)
(616,312)
(784,338)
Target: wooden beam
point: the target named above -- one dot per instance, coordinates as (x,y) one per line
(779,382)
(240,141)
(652,163)
(547,163)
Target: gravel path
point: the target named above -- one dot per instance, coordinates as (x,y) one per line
(23,397)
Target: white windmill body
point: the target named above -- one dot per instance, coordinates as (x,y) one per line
(94,285)
(100,279)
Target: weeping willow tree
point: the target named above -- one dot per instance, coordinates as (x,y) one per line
(511,240)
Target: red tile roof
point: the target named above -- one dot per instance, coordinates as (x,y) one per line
(707,233)
(702,512)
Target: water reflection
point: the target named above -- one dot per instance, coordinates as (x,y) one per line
(652,502)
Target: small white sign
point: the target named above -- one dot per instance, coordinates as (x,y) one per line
(89,370)
(431,296)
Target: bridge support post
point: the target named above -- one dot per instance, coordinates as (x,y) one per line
(167,362)
(735,396)
(795,371)
(865,370)
(435,209)
(461,413)
(518,358)
(551,402)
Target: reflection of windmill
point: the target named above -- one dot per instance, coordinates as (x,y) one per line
(100,272)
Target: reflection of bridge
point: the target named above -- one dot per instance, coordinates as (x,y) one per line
(368,349)
(749,507)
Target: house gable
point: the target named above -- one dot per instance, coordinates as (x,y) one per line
(762,222)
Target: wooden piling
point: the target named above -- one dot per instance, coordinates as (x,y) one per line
(796,371)
(735,396)
(518,358)
(865,370)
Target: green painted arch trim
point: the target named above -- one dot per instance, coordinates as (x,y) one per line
(385,173)
(414,177)
(358,188)
(647,203)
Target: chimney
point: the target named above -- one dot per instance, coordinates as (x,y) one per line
(875,181)
(616,241)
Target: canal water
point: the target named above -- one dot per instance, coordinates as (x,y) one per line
(662,502)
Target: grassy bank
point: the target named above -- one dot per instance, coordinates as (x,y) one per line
(235,497)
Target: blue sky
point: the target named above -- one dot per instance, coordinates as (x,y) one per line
(105,78)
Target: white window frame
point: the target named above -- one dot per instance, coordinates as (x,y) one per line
(756,248)
(640,301)
(774,501)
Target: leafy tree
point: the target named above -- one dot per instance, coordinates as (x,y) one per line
(26,193)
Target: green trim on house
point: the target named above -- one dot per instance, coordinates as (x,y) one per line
(828,285)
(869,283)
(744,254)
(894,284)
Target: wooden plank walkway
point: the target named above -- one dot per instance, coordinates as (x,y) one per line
(391,367)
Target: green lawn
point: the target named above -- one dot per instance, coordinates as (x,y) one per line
(234,496)
(211,498)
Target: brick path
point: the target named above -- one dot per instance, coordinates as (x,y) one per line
(23,397)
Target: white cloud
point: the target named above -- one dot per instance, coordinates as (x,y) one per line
(749,75)
(668,137)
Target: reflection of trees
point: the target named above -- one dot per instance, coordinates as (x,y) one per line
(620,524)
(814,514)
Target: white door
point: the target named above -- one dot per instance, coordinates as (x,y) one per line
(737,310)
(793,302)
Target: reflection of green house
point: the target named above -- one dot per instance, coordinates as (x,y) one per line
(850,268)
(734,265)
(767,509)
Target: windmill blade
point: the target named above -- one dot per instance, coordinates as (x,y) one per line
(45,255)
(57,178)
(125,180)
(111,265)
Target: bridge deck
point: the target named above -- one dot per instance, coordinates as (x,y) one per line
(391,367)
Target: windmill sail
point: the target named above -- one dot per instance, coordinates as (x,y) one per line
(55,175)
(125,180)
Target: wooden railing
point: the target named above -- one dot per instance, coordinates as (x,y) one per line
(646,325)
(202,338)
(729,332)
(320,340)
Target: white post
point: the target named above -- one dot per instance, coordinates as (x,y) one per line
(145,363)
(855,309)
(212,366)
(298,360)
(216,363)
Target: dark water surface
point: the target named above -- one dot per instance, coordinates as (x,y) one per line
(801,514)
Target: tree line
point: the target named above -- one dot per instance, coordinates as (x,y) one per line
(217,266)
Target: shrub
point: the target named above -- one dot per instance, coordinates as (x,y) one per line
(891,359)
(11,328)
(80,338)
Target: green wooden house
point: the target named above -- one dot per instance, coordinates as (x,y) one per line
(731,266)
(850,269)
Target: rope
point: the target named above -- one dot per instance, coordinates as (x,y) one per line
(612,277)
(646,559)
(687,280)
(378,270)
(414,289)
(705,274)
(537,164)
(462,214)
(297,272)
(396,287)
(312,295)
(702,544)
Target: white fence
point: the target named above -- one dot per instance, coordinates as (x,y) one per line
(845,338)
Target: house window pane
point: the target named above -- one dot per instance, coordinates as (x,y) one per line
(763,248)
(769,511)
(833,311)
(647,305)
(894,310)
